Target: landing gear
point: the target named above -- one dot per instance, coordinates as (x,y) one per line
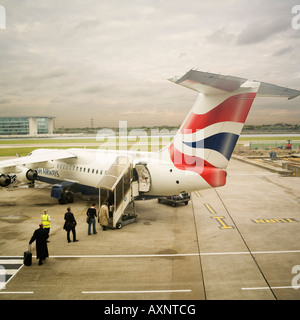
(66,197)
(70,197)
(62,199)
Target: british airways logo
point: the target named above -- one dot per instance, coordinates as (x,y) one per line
(47,172)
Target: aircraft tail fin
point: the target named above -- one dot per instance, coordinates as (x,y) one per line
(208,135)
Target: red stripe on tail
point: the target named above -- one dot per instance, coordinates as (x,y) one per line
(215,177)
(235,109)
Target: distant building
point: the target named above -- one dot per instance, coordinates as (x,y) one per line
(30,126)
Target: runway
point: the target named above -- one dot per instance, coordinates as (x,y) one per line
(241,241)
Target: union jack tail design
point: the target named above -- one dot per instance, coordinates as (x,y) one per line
(207,137)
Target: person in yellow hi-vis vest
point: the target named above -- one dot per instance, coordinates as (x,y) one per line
(46,221)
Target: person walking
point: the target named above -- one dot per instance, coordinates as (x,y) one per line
(91,219)
(46,221)
(70,225)
(104,216)
(40,236)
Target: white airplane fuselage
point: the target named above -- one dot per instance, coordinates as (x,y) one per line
(90,166)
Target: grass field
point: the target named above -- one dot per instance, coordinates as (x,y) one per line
(83,141)
(275,138)
(133,143)
(24,151)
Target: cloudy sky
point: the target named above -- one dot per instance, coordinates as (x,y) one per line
(109,60)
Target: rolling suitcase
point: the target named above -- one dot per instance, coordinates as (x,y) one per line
(28,257)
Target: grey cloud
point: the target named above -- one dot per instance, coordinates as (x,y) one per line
(88,24)
(261,30)
(41,78)
(283,51)
(97,88)
(222,36)
(5,101)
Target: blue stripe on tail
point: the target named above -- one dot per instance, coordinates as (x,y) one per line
(223,142)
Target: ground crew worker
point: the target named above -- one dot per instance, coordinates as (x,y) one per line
(46,221)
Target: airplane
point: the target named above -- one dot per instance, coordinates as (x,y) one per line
(195,159)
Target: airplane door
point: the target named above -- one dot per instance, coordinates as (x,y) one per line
(144,177)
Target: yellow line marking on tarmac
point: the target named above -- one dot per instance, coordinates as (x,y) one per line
(209,208)
(222,223)
(198,194)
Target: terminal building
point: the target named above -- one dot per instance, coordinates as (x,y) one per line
(26,126)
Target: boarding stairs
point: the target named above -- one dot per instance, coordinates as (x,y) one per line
(115,188)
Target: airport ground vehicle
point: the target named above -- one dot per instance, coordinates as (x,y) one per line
(182,198)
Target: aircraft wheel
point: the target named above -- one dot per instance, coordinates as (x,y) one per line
(119,225)
(70,197)
(62,199)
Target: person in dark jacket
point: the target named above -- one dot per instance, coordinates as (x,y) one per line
(91,214)
(70,225)
(40,236)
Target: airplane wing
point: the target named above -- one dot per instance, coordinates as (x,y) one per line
(211,83)
(36,159)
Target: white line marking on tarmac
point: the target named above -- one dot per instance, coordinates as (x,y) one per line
(16,292)
(9,272)
(171,254)
(11,261)
(129,256)
(141,291)
(222,253)
(6,263)
(268,288)
(272,252)
(175,254)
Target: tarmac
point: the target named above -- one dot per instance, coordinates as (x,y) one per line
(238,242)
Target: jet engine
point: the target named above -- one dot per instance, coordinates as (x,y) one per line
(27,175)
(5,180)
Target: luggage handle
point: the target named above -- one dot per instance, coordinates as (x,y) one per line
(29,248)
